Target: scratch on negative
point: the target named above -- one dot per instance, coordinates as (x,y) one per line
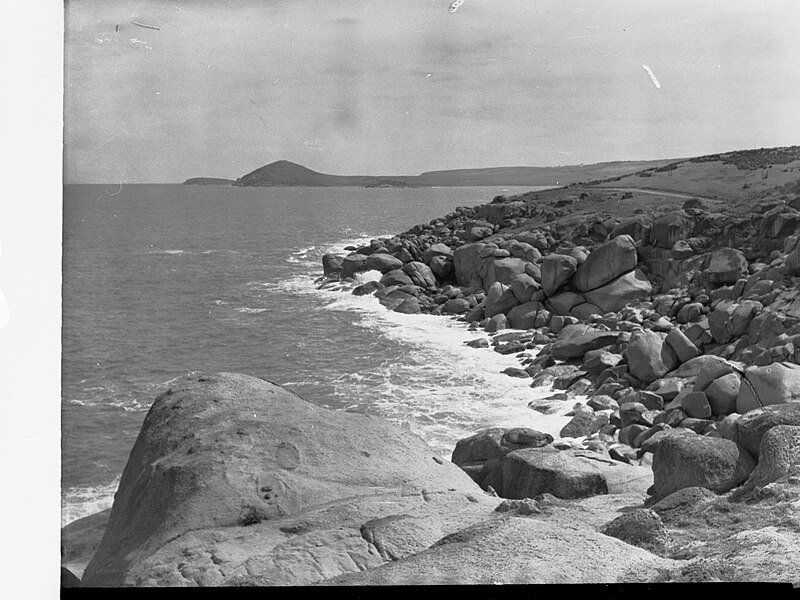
(454,6)
(652,76)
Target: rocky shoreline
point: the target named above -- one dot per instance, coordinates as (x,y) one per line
(668,323)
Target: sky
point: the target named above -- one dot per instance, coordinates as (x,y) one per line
(360,87)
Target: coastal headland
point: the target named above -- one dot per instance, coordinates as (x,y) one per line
(284,173)
(661,306)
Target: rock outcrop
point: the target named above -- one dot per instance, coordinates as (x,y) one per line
(236,481)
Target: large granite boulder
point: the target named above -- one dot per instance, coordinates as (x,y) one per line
(235,481)
(556,271)
(620,292)
(530,472)
(574,341)
(420,274)
(499,300)
(778,383)
(749,429)
(683,461)
(726,266)
(332,263)
(382,262)
(467,263)
(503,270)
(523,316)
(671,227)
(778,457)
(607,262)
(353,263)
(649,357)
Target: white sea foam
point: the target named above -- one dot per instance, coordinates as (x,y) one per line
(79,502)
(443,389)
(248,310)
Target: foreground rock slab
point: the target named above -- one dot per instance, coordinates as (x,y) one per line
(235,481)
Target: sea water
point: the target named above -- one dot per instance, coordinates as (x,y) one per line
(164,280)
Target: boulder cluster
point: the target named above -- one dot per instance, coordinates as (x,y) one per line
(668,331)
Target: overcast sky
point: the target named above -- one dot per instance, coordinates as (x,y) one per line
(360,87)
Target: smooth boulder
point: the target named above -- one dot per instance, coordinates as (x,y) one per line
(778,383)
(234,480)
(607,262)
(683,461)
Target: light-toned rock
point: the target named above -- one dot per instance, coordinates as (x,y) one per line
(726,266)
(698,461)
(236,481)
(606,263)
(620,292)
(778,383)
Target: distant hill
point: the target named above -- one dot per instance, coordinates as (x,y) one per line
(286,173)
(208,181)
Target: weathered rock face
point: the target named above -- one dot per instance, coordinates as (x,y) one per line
(607,262)
(778,383)
(778,457)
(332,263)
(383,262)
(467,262)
(556,271)
(574,341)
(649,357)
(234,480)
(748,430)
(726,266)
(698,461)
(518,550)
(530,472)
(670,227)
(620,292)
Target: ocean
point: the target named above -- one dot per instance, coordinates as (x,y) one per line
(160,281)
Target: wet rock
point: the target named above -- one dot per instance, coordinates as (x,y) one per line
(332,263)
(352,264)
(382,262)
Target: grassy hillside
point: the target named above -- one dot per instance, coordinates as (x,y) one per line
(731,176)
